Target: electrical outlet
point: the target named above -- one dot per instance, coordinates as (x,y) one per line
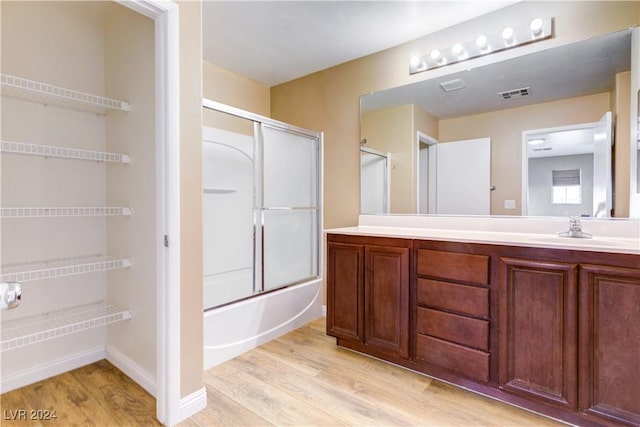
(509,204)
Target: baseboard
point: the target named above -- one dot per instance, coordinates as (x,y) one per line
(193,403)
(50,369)
(132,370)
(324,310)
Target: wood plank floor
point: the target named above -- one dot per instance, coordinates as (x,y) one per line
(299,379)
(94,395)
(303,379)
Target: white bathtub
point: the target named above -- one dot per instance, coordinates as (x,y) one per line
(236,328)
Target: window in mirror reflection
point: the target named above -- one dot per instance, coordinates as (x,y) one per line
(566,187)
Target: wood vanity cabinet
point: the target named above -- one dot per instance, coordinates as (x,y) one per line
(555,331)
(609,342)
(368,293)
(570,332)
(538,305)
(452,311)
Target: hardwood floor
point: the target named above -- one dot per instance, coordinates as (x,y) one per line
(301,378)
(94,395)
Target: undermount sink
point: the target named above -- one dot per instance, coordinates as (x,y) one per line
(593,241)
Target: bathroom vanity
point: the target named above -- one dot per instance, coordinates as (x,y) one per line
(539,321)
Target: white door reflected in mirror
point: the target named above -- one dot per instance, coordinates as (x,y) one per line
(463,177)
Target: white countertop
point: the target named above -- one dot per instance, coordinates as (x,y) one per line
(608,235)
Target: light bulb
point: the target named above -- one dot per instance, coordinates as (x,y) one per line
(537,141)
(481,41)
(435,54)
(536,26)
(457,48)
(415,61)
(507,35)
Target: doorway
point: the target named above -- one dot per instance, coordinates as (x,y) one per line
(567,170)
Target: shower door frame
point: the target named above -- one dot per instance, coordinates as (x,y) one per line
(387,177)
(259,209)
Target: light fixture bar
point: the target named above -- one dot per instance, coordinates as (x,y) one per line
(507,38)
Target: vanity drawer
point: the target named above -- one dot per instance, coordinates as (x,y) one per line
(457,358)
(463,299)
(451,327)
(455,266)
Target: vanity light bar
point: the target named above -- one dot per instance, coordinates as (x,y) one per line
(538,29)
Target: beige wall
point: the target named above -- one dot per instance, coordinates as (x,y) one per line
(329,100)
(505,129)
(191,282)
(394,130)
(129,61)
(621,110)
(233,89)
(390,131)
(425,122)
(223,86)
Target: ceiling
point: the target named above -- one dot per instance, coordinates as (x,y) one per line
(273,42)
(577,69)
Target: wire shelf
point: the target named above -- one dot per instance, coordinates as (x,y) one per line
(62,152)
(61,267)
(49,94)
(30,330)
(43,212)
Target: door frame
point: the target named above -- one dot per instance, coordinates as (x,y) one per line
(432,143)
(167,116)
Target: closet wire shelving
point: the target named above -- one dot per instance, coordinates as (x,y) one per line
(44,212)
(13,147)
(60,267)
(28,330)
(45,93)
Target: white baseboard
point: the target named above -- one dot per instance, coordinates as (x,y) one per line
(132,370)
(324,310)
(193,403)
(50,369)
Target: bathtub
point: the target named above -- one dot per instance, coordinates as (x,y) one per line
(233,329)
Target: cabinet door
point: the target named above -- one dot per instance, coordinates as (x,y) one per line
(538,336)
(345,280)
(610,342)
(386,299)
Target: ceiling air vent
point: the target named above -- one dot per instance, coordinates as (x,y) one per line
(515,93)
(451,85)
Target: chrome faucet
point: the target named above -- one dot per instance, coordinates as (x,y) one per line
(575,230)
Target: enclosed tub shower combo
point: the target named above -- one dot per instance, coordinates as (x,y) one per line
(261,225)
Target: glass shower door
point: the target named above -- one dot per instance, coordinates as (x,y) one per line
(290,207)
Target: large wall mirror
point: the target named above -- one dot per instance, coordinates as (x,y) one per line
(532,135)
